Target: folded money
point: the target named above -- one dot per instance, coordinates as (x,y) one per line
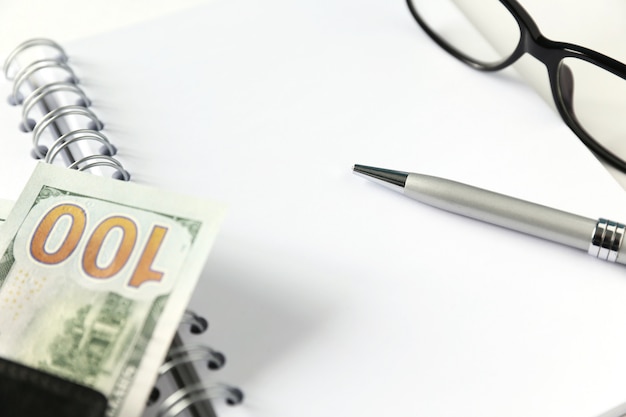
(95,275)
(5,209)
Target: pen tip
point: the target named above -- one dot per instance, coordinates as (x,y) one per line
(387,177)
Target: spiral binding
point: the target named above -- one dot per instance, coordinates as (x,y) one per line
(34,92)
(191,394)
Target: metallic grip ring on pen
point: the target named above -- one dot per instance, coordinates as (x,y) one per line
(607,239)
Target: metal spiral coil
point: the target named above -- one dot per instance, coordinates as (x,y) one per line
(40,93)
(191,393)
(180,359)
(186,397)
(31,91)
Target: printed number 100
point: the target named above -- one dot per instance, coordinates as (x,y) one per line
(78,219)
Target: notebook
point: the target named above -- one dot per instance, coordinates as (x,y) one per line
(331,295)
(52,103)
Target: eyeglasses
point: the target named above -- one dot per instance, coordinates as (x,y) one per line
(589,89)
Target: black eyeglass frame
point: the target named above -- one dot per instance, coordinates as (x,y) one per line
(551,54)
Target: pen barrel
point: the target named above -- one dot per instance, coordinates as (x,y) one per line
(509,212)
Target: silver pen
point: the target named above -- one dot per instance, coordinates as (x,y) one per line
(600,238)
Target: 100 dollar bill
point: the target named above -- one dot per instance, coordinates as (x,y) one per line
(95,275)
(5,209)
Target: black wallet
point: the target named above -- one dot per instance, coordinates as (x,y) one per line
(29,392)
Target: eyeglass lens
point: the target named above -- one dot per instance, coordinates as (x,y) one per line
(483,31)
(597,100)
(487,33)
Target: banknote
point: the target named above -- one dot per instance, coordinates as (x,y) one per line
(95,275)
(5,209)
